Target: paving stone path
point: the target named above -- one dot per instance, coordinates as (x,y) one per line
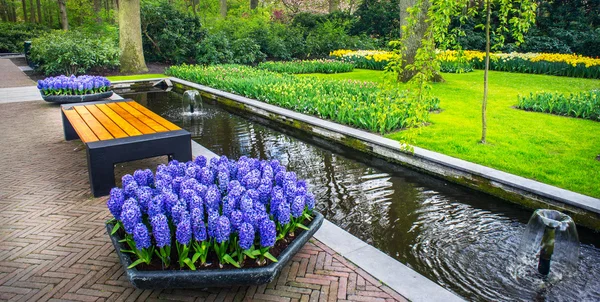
(53,244)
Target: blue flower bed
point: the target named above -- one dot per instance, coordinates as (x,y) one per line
(81,85)
(234,212)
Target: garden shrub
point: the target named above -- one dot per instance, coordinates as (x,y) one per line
(245,51)
(214,49)
(169,35)
(15,34)
(74,52)
(329,36)
(360,104)
(584,105)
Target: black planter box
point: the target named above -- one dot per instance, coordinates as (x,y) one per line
(213,277)
(64,99)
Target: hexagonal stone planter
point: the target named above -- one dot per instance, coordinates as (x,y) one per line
(63,99)
(203,278)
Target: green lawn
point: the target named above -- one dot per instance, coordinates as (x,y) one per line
(137,77)
(552,149)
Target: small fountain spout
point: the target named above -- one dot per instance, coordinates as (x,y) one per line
(552,237)
(192,101)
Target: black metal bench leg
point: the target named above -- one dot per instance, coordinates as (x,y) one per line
(183,150)
(68,129)
(102,172)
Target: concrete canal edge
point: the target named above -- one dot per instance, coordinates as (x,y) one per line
(532,194)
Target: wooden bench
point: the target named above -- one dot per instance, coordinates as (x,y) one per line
(120,131)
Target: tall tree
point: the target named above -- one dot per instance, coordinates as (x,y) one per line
(24,10)
(97,11)
(223,8)
(4,10)
(64,21)
(32,12)
(39,11)
(130,37)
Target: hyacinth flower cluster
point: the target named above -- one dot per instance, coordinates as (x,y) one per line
(63,85)
(234,210)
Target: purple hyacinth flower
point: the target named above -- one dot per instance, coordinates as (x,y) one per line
(223,180)
(252,179)
(246,234)
(149,177)
(169,201)
(127,179)
(212,222)
(279,177)
(214,163)
(196,203)
(213,198)
(115,202)
(200,161)
(201,190)
(223,229)
(243,168)
(183,234)
(298,206)
(156,207)
(301,187)
(191,172)
(141,237)
(130,190)
(176,184)
(140,178)
(187,195)
(267,233)
(178,211)
(207,177)
(310,200)
(283,213)
(130,215)
(263,193)
(274,164)
(228,206)
(198,227)
(235,218)
(289,188)
(144,196)
(267,172)
(246,203)
(223,160)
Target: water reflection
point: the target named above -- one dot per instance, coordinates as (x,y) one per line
(461,239)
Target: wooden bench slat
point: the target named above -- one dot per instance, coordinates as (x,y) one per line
(139,125)
(159,119)
(142,117)
(93,123)
(114,130)
(123,124)
(84,132)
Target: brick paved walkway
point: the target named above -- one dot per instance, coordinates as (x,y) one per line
(53,243)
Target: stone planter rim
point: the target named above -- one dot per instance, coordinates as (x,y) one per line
(160,279)
(64,99)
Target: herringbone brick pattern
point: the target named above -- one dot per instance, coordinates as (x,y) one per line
(53,244)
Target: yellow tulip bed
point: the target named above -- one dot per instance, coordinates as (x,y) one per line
(571,65)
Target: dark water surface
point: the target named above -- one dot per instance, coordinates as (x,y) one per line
(464,240)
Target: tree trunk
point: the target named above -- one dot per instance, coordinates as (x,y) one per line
(413,42)
(485,74)
(64,21)
(31,12)
(130,37)
(253,4)
(39,11)
(24,10)
(334,5)
(13,12)
(4,11)
(194,7)
(223,8)
(97,11)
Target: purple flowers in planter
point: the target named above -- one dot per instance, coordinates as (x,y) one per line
(251,203)
(63,85)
